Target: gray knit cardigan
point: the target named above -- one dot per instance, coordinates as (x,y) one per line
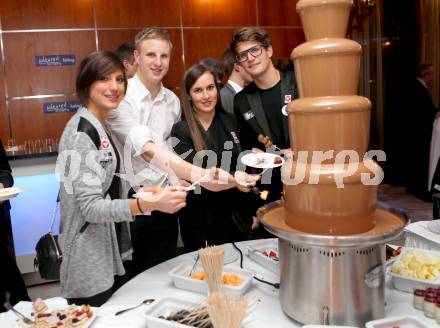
(91,256)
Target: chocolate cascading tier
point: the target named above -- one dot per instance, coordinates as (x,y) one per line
(327,67)
(323,124)
(328,199)
(322,19)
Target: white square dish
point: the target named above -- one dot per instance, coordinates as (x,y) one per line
(401,322)
(408,284)
(256,253)
(164,307)
(181,279)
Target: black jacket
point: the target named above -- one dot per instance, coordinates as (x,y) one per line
(251,116)
(420,114)
(208,215)
(5,175)
(252,121)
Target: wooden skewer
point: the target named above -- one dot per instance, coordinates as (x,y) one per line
(226,310)
(263,194)
(212,258)
(195,183)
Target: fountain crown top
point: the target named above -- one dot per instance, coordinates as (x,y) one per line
(312,3)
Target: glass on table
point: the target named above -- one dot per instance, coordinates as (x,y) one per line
(11,146)
(50,145)
(28,146)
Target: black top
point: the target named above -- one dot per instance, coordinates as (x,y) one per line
(5,170)
(252,114)
(208,215)
(259,111)
(218,140)
(420,115)
(272,103)
(5,222)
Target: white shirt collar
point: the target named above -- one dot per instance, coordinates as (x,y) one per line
(235,86)
(142,91)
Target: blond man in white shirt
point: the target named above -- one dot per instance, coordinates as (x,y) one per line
(142,125)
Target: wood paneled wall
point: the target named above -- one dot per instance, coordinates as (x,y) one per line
(198,29)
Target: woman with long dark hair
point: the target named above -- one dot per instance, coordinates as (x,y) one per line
(208,137)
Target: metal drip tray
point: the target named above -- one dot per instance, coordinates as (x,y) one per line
(389,223)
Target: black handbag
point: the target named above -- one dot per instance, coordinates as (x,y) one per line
(48,258)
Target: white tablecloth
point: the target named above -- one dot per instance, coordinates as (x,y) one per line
(155,283)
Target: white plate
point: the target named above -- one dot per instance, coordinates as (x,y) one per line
(401,322)
(255,252)
(408,284)
(434,226)
(261,160)
(181,279)
(52,304)
(231,254)
(164,307)
(8,193)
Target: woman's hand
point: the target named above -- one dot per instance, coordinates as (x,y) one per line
(244,182)
(255,223)
(169,199)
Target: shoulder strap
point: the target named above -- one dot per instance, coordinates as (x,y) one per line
(54,212)
(85,126)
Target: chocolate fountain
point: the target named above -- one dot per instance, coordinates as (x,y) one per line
(331,231)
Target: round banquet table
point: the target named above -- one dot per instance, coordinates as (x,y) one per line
(266,312)
(156,283)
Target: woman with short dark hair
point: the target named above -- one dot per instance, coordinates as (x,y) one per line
(94,232)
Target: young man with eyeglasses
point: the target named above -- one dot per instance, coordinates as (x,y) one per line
(261,105)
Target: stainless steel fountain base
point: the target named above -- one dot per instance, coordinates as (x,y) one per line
(337,280)
(347,282)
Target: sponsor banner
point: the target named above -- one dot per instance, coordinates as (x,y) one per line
(54,60)
(61,107)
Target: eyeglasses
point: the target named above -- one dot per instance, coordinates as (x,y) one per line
(254,51)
